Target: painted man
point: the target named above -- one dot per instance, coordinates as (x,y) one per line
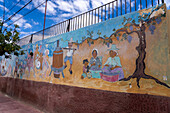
(69,55)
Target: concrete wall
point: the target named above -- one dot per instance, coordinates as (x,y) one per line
(140,40)
(55,98)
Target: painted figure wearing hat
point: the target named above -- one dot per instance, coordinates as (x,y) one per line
(113,64)
(95,62)
(36,54)
(69,55)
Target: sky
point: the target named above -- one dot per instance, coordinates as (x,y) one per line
(57,11)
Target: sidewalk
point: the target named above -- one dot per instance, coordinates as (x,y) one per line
(9,105)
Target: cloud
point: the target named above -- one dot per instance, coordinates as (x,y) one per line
(1,0)
(97,3)
(29,6)
(20,22)
(2,7)
(167,3)
(5,24)
(27,25)
(35,23)
(50,7)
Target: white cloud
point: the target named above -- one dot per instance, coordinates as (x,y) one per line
(50,7)
(167,3)
(35,23)
(29,6)
(5,24)
(27,25)
(2,7)
(20,22)
(1,0)
(97,3)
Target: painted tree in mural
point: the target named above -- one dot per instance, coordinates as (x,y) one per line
(8,41)
(130,26)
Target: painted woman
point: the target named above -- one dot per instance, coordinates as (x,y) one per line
(112,70)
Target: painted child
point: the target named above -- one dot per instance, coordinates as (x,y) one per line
(86,68)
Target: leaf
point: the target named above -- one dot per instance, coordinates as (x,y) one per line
(110,41)
(92,42)
(129,19)
(133,21)
(153,23)
(124,35)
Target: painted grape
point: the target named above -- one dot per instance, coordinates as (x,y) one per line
(89,43)
(152,28)
(77,46)
(158,20)
(108,44)
(131,28)
(117,38)
(129,38)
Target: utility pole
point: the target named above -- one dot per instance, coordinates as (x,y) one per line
(3,16)
(44,18)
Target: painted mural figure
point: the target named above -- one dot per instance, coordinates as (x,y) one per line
(86,68)
(3,67)
(46,61)
(112,70)
(21,70)
(69,55)
(36,57)
(95,62)
(30,61)
(16,69)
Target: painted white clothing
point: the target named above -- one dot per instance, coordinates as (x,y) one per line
(69,52)
(113,61)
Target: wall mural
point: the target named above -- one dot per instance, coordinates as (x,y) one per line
(125,54)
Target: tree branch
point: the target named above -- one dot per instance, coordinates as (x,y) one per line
(156,80)
(124,30)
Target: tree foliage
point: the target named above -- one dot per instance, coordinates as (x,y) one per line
(8,41)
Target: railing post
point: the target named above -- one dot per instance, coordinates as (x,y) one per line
(68,26)
(162,1)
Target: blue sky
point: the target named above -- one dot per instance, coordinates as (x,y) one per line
(57,11)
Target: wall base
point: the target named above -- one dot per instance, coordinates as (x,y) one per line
(55,98)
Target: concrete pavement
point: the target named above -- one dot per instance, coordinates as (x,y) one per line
(9,105)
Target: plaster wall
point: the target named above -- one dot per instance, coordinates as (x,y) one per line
(121,35)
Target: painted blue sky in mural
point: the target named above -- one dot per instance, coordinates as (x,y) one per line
(57,11)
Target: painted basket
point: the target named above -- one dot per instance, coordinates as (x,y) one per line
(110,78)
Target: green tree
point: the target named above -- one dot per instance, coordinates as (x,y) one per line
(8,41)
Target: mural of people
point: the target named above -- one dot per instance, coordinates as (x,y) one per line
(46,61)
(16,69)
(36,57)
(69,55)
(30,61)
(86,67)
(95,62)
(3,67)
(112,70)
(21,70)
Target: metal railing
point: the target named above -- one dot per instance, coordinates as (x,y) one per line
(99,14)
